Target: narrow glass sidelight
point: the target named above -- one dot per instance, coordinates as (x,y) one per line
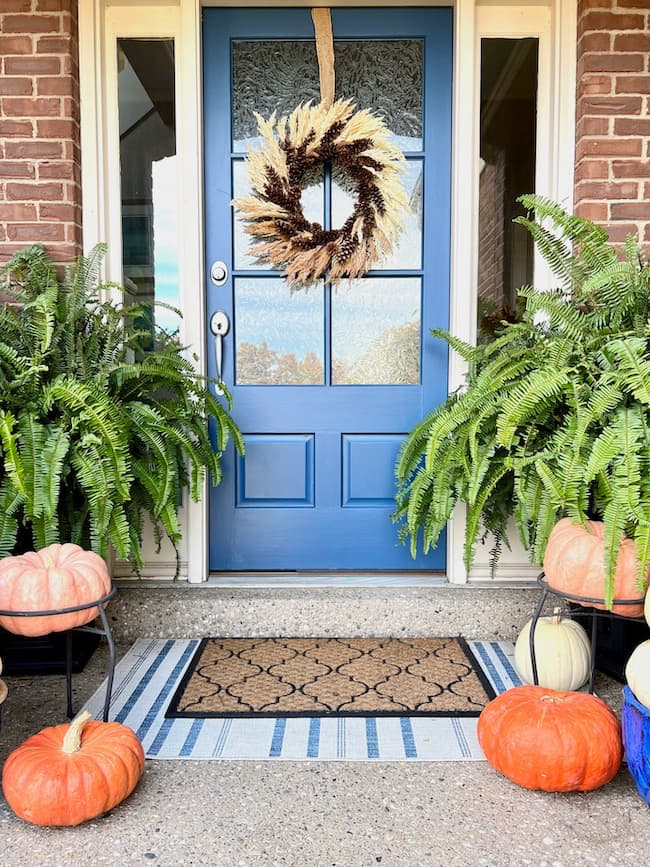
(508,129)
(149,173)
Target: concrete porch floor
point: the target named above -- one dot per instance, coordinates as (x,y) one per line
(229,814)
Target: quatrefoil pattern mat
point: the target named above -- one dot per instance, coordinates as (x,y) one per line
(288,677)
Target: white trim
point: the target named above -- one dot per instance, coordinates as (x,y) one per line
(100,21)
(565,52)
(91,98)
(190,148)
(102,209)
(464,234)
(554,24)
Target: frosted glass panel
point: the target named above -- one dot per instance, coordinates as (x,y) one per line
(312,204)
(385,76)
(269,76)
(407,253)
(279,333)
(382,75)
(376,331)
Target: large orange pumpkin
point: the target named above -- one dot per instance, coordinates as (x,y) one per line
(574,562)
(555,741)
(67,774)
(60,576)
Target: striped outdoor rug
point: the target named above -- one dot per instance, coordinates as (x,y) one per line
(149,674)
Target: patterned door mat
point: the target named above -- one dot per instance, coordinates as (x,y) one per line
(321,677)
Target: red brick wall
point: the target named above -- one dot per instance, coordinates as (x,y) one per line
(40,182)
(613,116)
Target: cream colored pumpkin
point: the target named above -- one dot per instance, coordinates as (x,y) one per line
(637,672)
(562,651)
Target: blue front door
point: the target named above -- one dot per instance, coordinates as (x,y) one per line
(326,382)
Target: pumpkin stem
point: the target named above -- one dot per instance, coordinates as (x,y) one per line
(48,562)
(557,616)
(72,739)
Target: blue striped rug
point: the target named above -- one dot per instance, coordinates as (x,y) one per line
(145,680)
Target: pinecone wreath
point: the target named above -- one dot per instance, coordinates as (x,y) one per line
(358,143)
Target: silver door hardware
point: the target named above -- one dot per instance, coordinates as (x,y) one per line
(219,326)
(218,273)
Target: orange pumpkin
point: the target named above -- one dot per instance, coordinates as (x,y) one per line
(60,576)
(67,774)
(574,562)
(555,741)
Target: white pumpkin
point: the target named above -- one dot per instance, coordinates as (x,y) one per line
(637,672)
(562,653)
(646,607)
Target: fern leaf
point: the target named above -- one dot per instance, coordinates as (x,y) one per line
(642,546)
(475,511)
(541,389)
(13,463)
(632,358)
(614,519)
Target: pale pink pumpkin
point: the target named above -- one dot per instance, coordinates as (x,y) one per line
(574,562)
(59,576)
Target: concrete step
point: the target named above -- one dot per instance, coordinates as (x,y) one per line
(144,609)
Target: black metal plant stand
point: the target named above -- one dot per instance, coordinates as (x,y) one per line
(105,630)
(594,614)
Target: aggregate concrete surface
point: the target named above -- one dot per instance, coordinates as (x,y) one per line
(241,814)
(141,610)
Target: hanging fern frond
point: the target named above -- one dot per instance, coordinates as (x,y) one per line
(554,419)
(631,356)
(97,433)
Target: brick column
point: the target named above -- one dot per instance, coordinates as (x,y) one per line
(40,178)
(613,116)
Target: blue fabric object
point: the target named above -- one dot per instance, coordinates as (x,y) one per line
(636,739)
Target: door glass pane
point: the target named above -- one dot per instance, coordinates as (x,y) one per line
(312,204)
(386,77)
(269,76)
(279,333)
(376,331)
(407,251)
(148,172)
(507,169)
(382,75)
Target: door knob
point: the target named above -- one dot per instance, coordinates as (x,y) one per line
(219,326)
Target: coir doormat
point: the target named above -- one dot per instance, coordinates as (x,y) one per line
(297,677)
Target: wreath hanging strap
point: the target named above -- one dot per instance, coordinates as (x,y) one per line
(293,146)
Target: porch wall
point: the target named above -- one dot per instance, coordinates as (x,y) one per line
(613,116)
(40,169)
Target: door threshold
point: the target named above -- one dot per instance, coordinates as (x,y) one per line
(326,579)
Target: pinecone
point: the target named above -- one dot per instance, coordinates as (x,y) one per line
(346,248)
(332,133)
(375,196)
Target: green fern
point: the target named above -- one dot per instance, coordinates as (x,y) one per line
(554,420)
(95,433)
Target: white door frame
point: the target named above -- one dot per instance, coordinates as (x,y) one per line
(101,22)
